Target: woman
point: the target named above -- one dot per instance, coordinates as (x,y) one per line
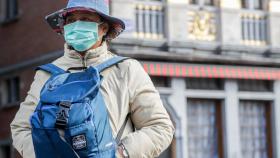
(126,87)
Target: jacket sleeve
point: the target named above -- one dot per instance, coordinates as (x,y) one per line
(20,126)
(154,129)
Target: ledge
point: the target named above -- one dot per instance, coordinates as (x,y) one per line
(197,51)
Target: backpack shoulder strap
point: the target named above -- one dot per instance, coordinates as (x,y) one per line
(50,68)
(120,133)
(110,62)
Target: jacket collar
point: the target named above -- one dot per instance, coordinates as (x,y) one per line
(93,56)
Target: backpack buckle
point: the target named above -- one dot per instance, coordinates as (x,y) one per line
(62,115)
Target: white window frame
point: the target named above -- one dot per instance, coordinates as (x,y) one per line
(230,111)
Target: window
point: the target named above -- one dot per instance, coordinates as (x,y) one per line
(254,24)
(6,150)
(160,81)
(203,2)
(8,10)
(255,129)
(205,83)
(151,0)
(252,4)
(204,129)
(254,28)
(167,153)
(150,19)
(9,91)
(194,1)
(255,85)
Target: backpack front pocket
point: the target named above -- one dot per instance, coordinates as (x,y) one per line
(47,140)
(83,140)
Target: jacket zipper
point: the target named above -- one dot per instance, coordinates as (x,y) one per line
(83,61)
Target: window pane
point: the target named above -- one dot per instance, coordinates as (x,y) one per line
(255,85)
(202,2)
(202,129)
(204,83)
(5,151)
(253,129)
(12,90)
(252,4)
(194,1)
(209,2)
(257,4)
(242,4)
(8,10)
(161,81)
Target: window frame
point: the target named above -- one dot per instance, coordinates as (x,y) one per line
(6,89)
(8,143)
(269,127)
(218,122)
(9,11)
(213,3)
(251,4)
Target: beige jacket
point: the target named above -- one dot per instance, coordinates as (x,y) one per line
(126,88)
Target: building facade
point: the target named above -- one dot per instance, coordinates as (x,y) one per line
(215,63)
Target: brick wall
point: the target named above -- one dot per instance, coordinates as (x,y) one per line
(30,36)
(7,114)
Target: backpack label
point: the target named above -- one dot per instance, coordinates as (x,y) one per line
(79,142)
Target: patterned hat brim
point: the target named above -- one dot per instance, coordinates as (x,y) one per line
(56,21)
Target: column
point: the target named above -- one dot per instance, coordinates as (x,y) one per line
(178,101)
(232,133)
(276,119)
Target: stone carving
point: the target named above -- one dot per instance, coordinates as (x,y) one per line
(202,26)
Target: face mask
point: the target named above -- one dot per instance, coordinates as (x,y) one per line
(81,35)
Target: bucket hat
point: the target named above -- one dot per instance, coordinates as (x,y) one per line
(57,19)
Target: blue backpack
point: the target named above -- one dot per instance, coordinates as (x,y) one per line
(72,103)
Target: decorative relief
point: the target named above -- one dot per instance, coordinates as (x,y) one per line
(202,26)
